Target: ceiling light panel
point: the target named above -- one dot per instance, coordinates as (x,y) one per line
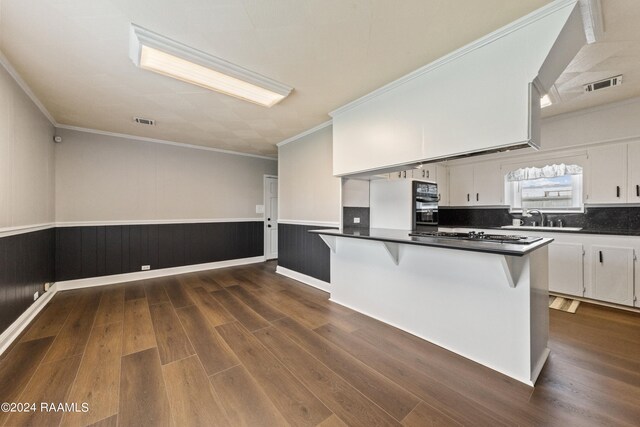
(153,52)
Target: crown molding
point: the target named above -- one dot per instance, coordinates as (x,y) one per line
(27,90)
(4,61)
(162,141)
(305,133)
(465,50)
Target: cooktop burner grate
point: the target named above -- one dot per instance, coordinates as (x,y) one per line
(477,237)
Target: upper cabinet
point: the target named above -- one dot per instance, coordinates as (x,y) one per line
(442,176)
(461,185)
(428,172)
(379,134)
(475,185)
(464,102)
(607,174)
(633,166)
(488,184)
(614,174)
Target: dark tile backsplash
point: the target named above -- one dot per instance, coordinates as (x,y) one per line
(594,218)
(349,213)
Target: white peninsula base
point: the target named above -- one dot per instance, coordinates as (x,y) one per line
(488,307)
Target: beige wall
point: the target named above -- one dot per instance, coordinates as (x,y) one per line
(600,124)
(26,159)
(308,191)
(105,178)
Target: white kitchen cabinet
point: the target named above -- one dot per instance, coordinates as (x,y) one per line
(381,133)
(461,185)
(427,172)
(613,274)
(475,185)
(400,174)
(487,184)
(566,268)
(608,174)
(633,166)
(442,175)
(610,280)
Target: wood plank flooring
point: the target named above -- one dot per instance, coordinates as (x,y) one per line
(243,346)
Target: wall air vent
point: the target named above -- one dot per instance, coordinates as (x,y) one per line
(603,84)
(142,121)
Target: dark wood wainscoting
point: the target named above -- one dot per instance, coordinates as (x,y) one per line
(302,251)
(92,251)
(26,264)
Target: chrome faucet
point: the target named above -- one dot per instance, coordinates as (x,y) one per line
(536,211)
(528,212)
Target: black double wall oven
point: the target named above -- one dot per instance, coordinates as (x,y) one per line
(425,205)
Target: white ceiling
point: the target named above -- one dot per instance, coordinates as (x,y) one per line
(74,56)
(617,53)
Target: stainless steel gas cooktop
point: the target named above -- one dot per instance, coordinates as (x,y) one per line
(477,237)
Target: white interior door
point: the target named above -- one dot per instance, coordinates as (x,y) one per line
(270,217)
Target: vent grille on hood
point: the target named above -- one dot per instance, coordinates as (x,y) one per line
(148,122)
(603,84)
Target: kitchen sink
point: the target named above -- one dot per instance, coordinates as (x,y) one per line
(529,227)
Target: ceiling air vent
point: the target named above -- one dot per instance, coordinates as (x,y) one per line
(603,84)
(142,121)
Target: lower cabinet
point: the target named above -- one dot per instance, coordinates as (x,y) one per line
(566,268)
(598,267)
(612,274)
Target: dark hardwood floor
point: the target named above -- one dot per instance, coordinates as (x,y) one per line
(243,346)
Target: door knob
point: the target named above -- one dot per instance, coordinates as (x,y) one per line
(268,219)
(269,225)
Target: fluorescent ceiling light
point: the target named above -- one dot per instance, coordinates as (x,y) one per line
(153,52)
(545,101)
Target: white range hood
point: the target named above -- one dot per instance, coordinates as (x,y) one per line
(484,97)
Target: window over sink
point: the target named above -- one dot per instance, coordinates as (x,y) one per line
(552,188)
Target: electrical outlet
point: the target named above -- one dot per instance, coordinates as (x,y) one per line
(356,220)
(36,295)
(146,267)
(47,286)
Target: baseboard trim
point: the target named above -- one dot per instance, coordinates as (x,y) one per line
(15,329)
(307,280)
(151,274)
(597,302)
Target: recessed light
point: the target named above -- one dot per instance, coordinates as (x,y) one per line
(157,53)
(545,101)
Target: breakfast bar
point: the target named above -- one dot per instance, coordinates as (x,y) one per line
(485,300)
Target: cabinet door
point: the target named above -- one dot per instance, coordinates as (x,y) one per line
(426,173)
(633,166)
(442,174)
(608,174)
(461,185)
(397,175)
(387,130)
(488,184)
(566,268)
(612,276)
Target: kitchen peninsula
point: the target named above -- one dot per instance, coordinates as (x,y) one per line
(485,300)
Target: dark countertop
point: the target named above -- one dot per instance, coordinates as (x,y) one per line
(556,230)
(402,236)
